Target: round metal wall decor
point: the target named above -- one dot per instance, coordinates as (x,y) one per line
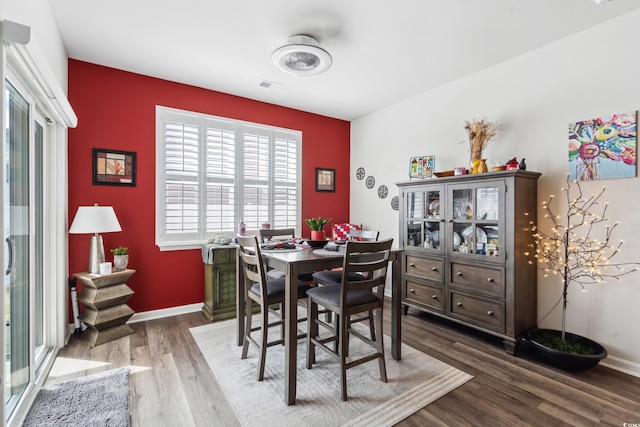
(371,181)
(383,191)
(395,203)
(360,174)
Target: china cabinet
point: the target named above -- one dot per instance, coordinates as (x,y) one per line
(464,240)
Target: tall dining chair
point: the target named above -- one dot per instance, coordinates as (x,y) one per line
(267,235)
(370,259)
(266,293)
(276,234)
(334,277)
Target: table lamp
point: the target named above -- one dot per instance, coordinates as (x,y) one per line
(95,219)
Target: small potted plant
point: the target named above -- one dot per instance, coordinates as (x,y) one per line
(317,227)
(120,258)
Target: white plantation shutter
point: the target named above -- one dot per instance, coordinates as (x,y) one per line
(256,177)
(214,172)
(181,201)
(220,177)
(285,182)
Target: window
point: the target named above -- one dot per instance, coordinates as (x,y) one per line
(213,172)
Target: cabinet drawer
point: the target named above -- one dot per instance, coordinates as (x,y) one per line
(479,311)
(425,267)
(224,256)
(430,296)
(485,279)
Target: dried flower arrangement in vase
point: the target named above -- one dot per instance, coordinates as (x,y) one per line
(480,133)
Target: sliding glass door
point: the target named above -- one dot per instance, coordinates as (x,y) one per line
(24,247)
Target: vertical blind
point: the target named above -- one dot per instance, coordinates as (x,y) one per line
(214,172)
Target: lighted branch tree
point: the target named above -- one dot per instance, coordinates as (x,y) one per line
(579,247)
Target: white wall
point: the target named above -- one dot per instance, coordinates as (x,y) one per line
(535,97)
(37,15)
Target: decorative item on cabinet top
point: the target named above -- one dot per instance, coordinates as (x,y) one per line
(422,166)
(480,134)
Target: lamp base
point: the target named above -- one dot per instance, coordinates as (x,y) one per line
(96,254)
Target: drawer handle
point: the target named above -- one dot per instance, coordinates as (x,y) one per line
(413,291)
(459,273)
(412,265)
(459,304)
(434,296)
(489,279)
(434,268)
(490,313)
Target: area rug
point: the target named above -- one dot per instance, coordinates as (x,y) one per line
(100,400)
(413,382)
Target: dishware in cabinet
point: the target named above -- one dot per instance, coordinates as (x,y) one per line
(423,219)
(476,212)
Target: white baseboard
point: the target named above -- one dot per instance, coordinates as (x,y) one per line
(165,312)
(622,365)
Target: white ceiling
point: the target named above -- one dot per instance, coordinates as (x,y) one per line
(383,51)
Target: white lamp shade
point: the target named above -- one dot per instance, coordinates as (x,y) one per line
(95,219)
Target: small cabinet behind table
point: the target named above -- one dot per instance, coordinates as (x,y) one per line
(220,282)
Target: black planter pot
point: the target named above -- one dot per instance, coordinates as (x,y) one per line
(564,360)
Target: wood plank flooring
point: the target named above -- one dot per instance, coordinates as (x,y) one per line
(172,384)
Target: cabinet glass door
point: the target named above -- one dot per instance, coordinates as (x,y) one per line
(477,214)
(424,217)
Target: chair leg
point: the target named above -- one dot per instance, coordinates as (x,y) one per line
(342,334)
(312,331)
(380,346)
(372,328)
(247,328)
(264,330)
(336,343)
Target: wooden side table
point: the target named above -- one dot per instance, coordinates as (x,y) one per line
(106,311)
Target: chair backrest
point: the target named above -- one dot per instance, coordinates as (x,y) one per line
(252,264)
(281,234)
(341,231)
(370,259)
(364,235)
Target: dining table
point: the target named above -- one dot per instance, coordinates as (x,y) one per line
(304,259)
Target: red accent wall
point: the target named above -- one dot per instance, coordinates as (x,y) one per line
(116,110)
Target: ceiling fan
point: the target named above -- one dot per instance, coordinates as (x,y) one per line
(302,56)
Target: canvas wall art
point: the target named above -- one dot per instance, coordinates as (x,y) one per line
(604,147)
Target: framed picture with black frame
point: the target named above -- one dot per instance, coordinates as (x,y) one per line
(114,167)
(325,179)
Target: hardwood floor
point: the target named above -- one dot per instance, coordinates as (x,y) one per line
(172,385)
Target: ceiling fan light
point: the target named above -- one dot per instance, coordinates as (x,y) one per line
(302,56)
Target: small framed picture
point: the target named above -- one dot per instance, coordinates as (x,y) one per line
(325,179)
(422,166)
(113,167)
